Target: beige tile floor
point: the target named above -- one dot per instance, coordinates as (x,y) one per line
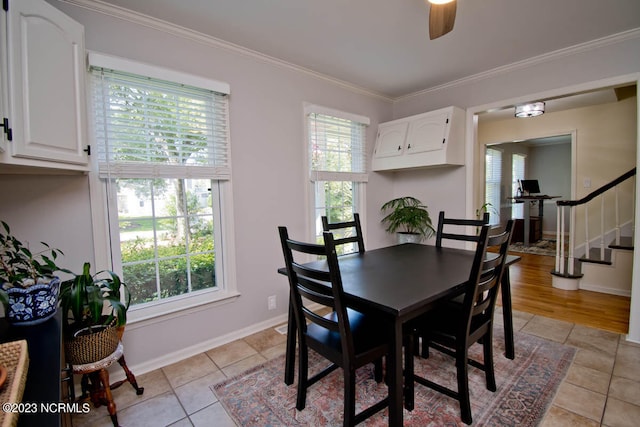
(602,387)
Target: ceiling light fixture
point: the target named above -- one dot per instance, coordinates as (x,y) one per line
(530,110)
(440,1)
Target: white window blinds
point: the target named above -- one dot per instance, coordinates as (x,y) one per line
(493,180)
(337,147)
(147,127)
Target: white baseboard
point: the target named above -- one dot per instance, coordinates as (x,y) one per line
(117,374)
(606,290)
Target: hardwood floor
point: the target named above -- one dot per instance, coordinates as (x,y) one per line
(532,292)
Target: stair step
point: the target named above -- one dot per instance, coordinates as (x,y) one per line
(577,270)
(595,257)
(626,243)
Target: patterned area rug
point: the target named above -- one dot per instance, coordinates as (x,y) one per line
(541,247)
(526,387)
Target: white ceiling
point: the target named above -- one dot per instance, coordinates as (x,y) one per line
(383,46)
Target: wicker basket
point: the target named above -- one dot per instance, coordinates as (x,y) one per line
(14,356)
(85,348)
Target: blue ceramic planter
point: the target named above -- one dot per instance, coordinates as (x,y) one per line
(34,304)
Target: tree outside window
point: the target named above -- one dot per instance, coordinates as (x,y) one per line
(159,145)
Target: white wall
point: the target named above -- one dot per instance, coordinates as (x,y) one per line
(551,166)
(269,187)
(50,209)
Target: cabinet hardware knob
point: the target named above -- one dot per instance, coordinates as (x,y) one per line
(87,150)
(7,129)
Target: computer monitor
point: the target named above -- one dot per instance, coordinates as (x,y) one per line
(529,186)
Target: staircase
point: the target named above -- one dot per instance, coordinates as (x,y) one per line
(600,267)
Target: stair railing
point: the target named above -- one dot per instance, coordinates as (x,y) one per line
(565,262)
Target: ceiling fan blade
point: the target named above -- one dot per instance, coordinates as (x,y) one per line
(441,19)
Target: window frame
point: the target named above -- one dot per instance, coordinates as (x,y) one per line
(102,208)
(517,209)
(358,187)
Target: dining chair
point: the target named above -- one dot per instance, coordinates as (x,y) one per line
(453,230)
(350,231)
(456,326)
(345,337)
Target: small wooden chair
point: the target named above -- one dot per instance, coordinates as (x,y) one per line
(349,231)
(455,327)
(95,380)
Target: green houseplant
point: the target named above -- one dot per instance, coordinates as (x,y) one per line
(94,312)
(408,217)
(485,208)
(29,285)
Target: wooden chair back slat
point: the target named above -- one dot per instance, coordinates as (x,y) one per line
(349,231)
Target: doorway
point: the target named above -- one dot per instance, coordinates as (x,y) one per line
(544,160)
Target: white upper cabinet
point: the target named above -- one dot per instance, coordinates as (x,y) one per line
(431,139)
(46,87)
(391,137)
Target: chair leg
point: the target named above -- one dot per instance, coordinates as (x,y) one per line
(349,417)
(111,405)
(463,386)
(487,347)
(130,377)
(84,386)
(409,384)
(425,348)
(377,370)
(303,367)
(289,365)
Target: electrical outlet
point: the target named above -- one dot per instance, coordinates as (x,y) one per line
(271,302)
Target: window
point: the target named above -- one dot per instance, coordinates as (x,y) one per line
(337,166)
(517,173)
(493,179)
(163,157)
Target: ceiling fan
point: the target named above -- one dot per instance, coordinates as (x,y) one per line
(442,16)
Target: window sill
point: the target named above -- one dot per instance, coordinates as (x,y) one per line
(140,315)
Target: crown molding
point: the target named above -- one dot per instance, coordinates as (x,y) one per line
(560,53)
(158,24)
(168,27)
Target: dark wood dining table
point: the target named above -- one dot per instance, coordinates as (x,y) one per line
(400,283)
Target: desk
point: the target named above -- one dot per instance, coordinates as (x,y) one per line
(539,199)
(400,283)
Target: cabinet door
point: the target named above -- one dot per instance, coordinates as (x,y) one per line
(4,90)
(46,83)
(427,133)
(391,139)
